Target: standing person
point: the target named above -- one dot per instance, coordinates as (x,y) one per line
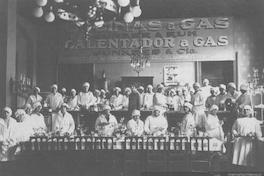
(188,123)
(125,103)
(54,99)
(173,100)
(142,95)
(156,124)
(198,107)
(244,99)
(211,100)
(72,100)
(8,135)
(206,88)
(148,98)
(85,98)
(213,126)
(97,99)
(244,129)
(135,126)
(159,99)
(104,101)
(64,123)
(35,97)
(63,94)
(221,97)
(116,99)
(232,93)
(134,100)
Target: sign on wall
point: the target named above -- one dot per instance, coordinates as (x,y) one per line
(192,39)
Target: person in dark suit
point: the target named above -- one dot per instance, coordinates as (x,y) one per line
(134,100)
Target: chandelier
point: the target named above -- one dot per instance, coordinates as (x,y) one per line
(87,13)
(139,60)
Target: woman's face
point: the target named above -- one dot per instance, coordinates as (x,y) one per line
(214,112)
(156,113)
(5,114)
(28,110)
(186,109)
(21,118)
(38,109)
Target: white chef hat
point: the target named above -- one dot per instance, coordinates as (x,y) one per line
(141,87)
(7,109)
(136,112)
(54,86)
(73,90)
(222,86)
(196,84)
(231,84)
(20,112)
(150,87)
(37,88)
(117,88)
(127,89)
(107,107)
(244,87)
(36,104)
(214,107)
(63,89)
(189,105)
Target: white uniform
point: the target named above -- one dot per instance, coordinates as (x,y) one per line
(137,128)
(116,101)
(198,108)
(152,123)
(148,100)
(85,99)
(64,123)
(54,100)
(188,124)
(244,151)
(8,135)
(213,127)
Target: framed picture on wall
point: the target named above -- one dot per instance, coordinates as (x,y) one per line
(171,73)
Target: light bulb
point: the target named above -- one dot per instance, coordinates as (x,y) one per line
(123,3)
(128,17)
(136,11)
(38,12)
(58,1)
(49,17)
(41,3)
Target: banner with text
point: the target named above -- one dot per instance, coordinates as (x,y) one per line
(192,39)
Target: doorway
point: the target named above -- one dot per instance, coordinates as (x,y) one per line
(72,76)
(218,72)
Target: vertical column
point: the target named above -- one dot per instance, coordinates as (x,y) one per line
(7,48)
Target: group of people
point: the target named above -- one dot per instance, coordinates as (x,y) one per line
(200,104)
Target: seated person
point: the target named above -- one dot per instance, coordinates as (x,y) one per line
(244,150)
(213,126)
(188,122)
(135,126)
(8,135)
(36,119)
(106,122)
(156,124)
(24,128)
(64,123)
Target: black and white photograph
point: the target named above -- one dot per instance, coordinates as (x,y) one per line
(131,87)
